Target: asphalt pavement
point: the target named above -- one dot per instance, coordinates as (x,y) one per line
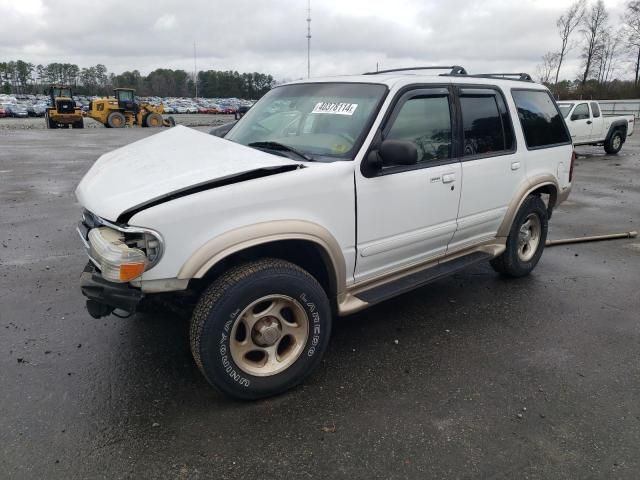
(473,376)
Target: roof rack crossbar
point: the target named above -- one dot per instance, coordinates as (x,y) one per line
(525,77)
(453,70)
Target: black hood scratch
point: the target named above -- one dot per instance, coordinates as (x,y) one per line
(125,216)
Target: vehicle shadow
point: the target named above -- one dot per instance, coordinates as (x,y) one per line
(403,336)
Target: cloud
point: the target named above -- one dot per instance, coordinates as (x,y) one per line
(269,36)
(165,22)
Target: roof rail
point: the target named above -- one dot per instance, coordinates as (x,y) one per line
(453,70)
(523,77)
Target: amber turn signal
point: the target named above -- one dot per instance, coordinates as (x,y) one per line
(129,271)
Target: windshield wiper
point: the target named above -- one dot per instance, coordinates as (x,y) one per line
(281,147)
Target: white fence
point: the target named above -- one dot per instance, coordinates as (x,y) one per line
(620,107)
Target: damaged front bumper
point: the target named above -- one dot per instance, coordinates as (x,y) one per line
(103,297)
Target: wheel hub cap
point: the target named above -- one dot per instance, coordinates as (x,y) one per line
(269,335)
(529,237)
(266,332)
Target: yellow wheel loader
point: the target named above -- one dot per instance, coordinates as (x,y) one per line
(122,110)
(63,112)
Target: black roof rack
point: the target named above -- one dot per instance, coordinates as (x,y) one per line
(453,70)
(523,77)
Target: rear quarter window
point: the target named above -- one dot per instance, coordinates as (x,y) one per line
(541,121)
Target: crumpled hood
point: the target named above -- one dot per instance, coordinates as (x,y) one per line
(165,164)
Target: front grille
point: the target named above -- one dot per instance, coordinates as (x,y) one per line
(65,106)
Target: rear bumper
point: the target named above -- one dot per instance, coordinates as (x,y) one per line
(107,294)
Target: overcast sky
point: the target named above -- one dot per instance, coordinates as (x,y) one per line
(349,36)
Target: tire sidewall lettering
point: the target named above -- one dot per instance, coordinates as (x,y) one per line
(227,364)
(314,323)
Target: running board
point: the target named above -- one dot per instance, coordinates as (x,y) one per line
(419,279)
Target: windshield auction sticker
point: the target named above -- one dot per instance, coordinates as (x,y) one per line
(335,108)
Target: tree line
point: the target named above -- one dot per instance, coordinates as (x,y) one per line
(607,53)
(20,77)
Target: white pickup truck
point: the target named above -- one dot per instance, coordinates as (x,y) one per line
(589,126)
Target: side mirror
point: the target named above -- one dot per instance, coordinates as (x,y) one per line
(390,153)
(398,152)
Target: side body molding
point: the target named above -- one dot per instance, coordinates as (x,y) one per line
(242,238)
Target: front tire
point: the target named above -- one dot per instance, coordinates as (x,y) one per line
(614,144)
(260,329)
(526,240)
(153,120)
(50,123)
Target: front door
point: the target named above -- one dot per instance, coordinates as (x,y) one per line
(407,214)
(581,123)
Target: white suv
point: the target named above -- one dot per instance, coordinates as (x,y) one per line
(327,197)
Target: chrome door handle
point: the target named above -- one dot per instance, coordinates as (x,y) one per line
(448,178)
(515,165)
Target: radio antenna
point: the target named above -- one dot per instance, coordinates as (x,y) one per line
(309,39)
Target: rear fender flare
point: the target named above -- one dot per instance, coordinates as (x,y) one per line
(523,192)
(617,125)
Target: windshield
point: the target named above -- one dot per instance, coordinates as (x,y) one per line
(565,108)
(61,92)
(317,119)
(125,95)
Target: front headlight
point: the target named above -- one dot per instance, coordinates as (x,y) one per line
(118,261)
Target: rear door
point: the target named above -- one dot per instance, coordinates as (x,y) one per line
(407,214)
(492,168)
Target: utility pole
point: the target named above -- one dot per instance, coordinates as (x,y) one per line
(309,39)
(195,69)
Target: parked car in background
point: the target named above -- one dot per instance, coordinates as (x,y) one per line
(36,110)
(3,111)
(17,110)
(589,126)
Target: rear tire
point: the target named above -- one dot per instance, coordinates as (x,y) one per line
(260,329)
(614,144)
(116,120)
(78,124)
(526,240)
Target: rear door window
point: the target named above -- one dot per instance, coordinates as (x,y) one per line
(486,123)
(540,119)
(595,109)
